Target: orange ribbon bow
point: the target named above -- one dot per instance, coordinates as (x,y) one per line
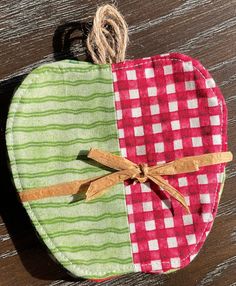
(125,169)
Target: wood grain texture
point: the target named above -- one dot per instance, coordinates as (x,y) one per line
(35,32)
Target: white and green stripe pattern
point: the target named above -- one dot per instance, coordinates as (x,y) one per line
(59,110)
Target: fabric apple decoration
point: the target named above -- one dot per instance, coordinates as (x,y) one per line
(152,110)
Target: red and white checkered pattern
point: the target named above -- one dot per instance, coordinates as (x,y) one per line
(168,107)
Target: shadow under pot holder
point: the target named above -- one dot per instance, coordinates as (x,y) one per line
(152,110)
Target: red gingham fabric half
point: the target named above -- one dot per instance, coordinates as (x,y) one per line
(168,107)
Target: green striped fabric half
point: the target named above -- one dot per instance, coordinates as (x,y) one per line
(59,110)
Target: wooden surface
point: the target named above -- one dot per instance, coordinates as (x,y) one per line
(33,32)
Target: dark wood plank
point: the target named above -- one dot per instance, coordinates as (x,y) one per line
(33,32)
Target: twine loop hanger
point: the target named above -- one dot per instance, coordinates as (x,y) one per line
(108,38)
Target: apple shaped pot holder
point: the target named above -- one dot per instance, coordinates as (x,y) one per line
(120,166)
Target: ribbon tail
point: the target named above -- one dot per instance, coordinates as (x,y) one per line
(170,190)
(63,189)
(191,163)
(102,185)
(212,158)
